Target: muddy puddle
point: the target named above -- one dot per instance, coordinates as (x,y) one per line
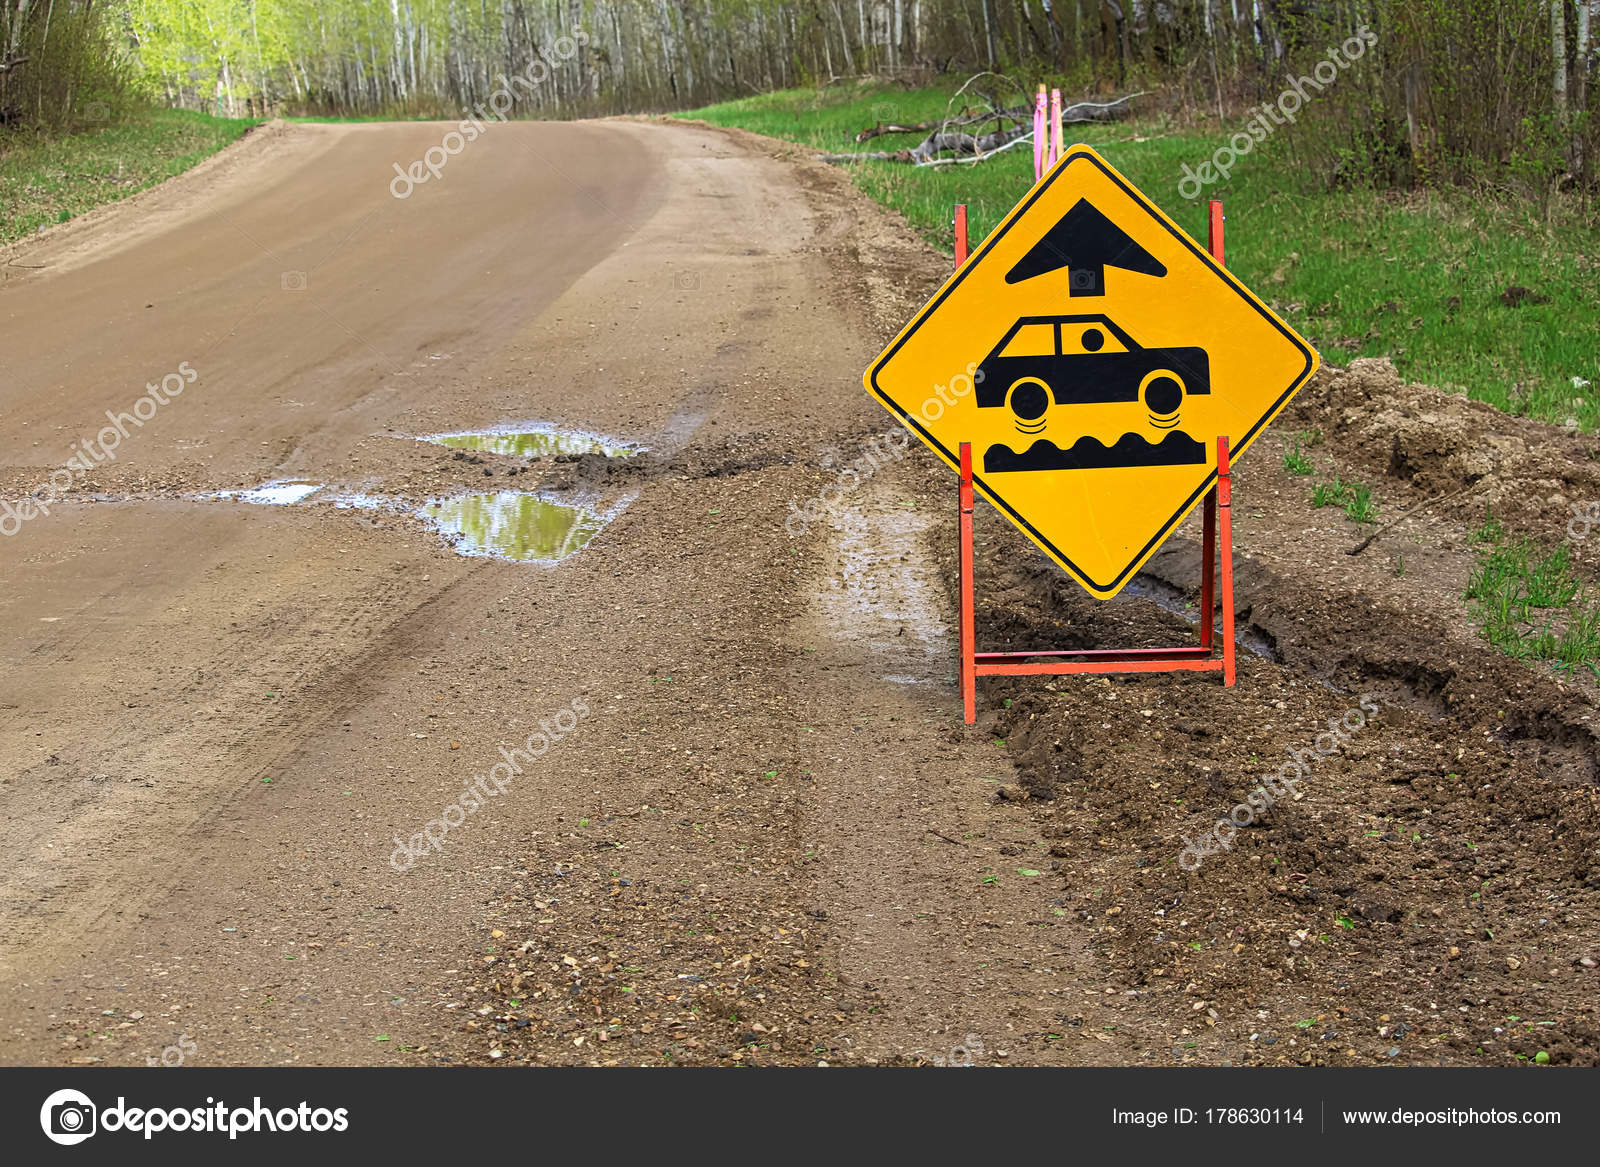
(512,524)
(1179,603)
(534,443)
(518,525)
(508,524)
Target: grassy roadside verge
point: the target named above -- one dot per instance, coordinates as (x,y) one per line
(1532,603)
(44,181)
(1420,279)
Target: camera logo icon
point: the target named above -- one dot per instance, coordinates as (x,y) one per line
(1583,521)
(686,281)
(293,281)
(68,1117)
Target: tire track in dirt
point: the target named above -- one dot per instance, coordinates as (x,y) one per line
(933,881)
(204,744)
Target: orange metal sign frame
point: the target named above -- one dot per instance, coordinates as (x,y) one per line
(1217,535)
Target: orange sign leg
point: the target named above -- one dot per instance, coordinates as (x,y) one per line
(968,676)
(1224,492)
(1208,571)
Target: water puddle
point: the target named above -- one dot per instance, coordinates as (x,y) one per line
(274,494)
(534,443)
(510,524)
(506,524)
(366,502)
(1172,599)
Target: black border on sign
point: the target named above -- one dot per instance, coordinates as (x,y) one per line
(1237,445)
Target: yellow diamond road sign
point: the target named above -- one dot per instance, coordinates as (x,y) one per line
(1092,353)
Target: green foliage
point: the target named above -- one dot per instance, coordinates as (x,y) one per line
(1426,91)
(1531,604)
(50,180)
(1361,507)
(1490,530)
(1451,92)
(60,67)
(1537,157)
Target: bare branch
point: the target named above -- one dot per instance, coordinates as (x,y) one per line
(973,147)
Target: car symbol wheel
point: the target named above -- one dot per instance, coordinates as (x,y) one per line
(1162,392)
(1028,399)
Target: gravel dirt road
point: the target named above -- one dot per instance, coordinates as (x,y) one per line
(755,828)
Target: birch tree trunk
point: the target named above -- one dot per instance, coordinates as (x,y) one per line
(19,20)
(1558,55)
(1587,12)
(844,38)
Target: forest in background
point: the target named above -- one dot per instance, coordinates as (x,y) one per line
(1496,91)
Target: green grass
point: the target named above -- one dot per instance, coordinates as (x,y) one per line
(44,181)
(1296,462)
(1491,530)
(1531,604)
(1353,498)
(1361,272)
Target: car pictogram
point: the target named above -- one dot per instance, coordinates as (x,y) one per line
(1046,361)
(1086,360)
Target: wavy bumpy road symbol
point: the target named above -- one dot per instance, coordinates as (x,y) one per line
(1087,453)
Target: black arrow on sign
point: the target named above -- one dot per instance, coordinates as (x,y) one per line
(1086,243)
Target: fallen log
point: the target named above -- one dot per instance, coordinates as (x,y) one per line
(880,129)
(965,118)
(959,144)
(935,144)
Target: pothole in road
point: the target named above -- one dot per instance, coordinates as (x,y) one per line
(508,524)
(534,443)
(512,524)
